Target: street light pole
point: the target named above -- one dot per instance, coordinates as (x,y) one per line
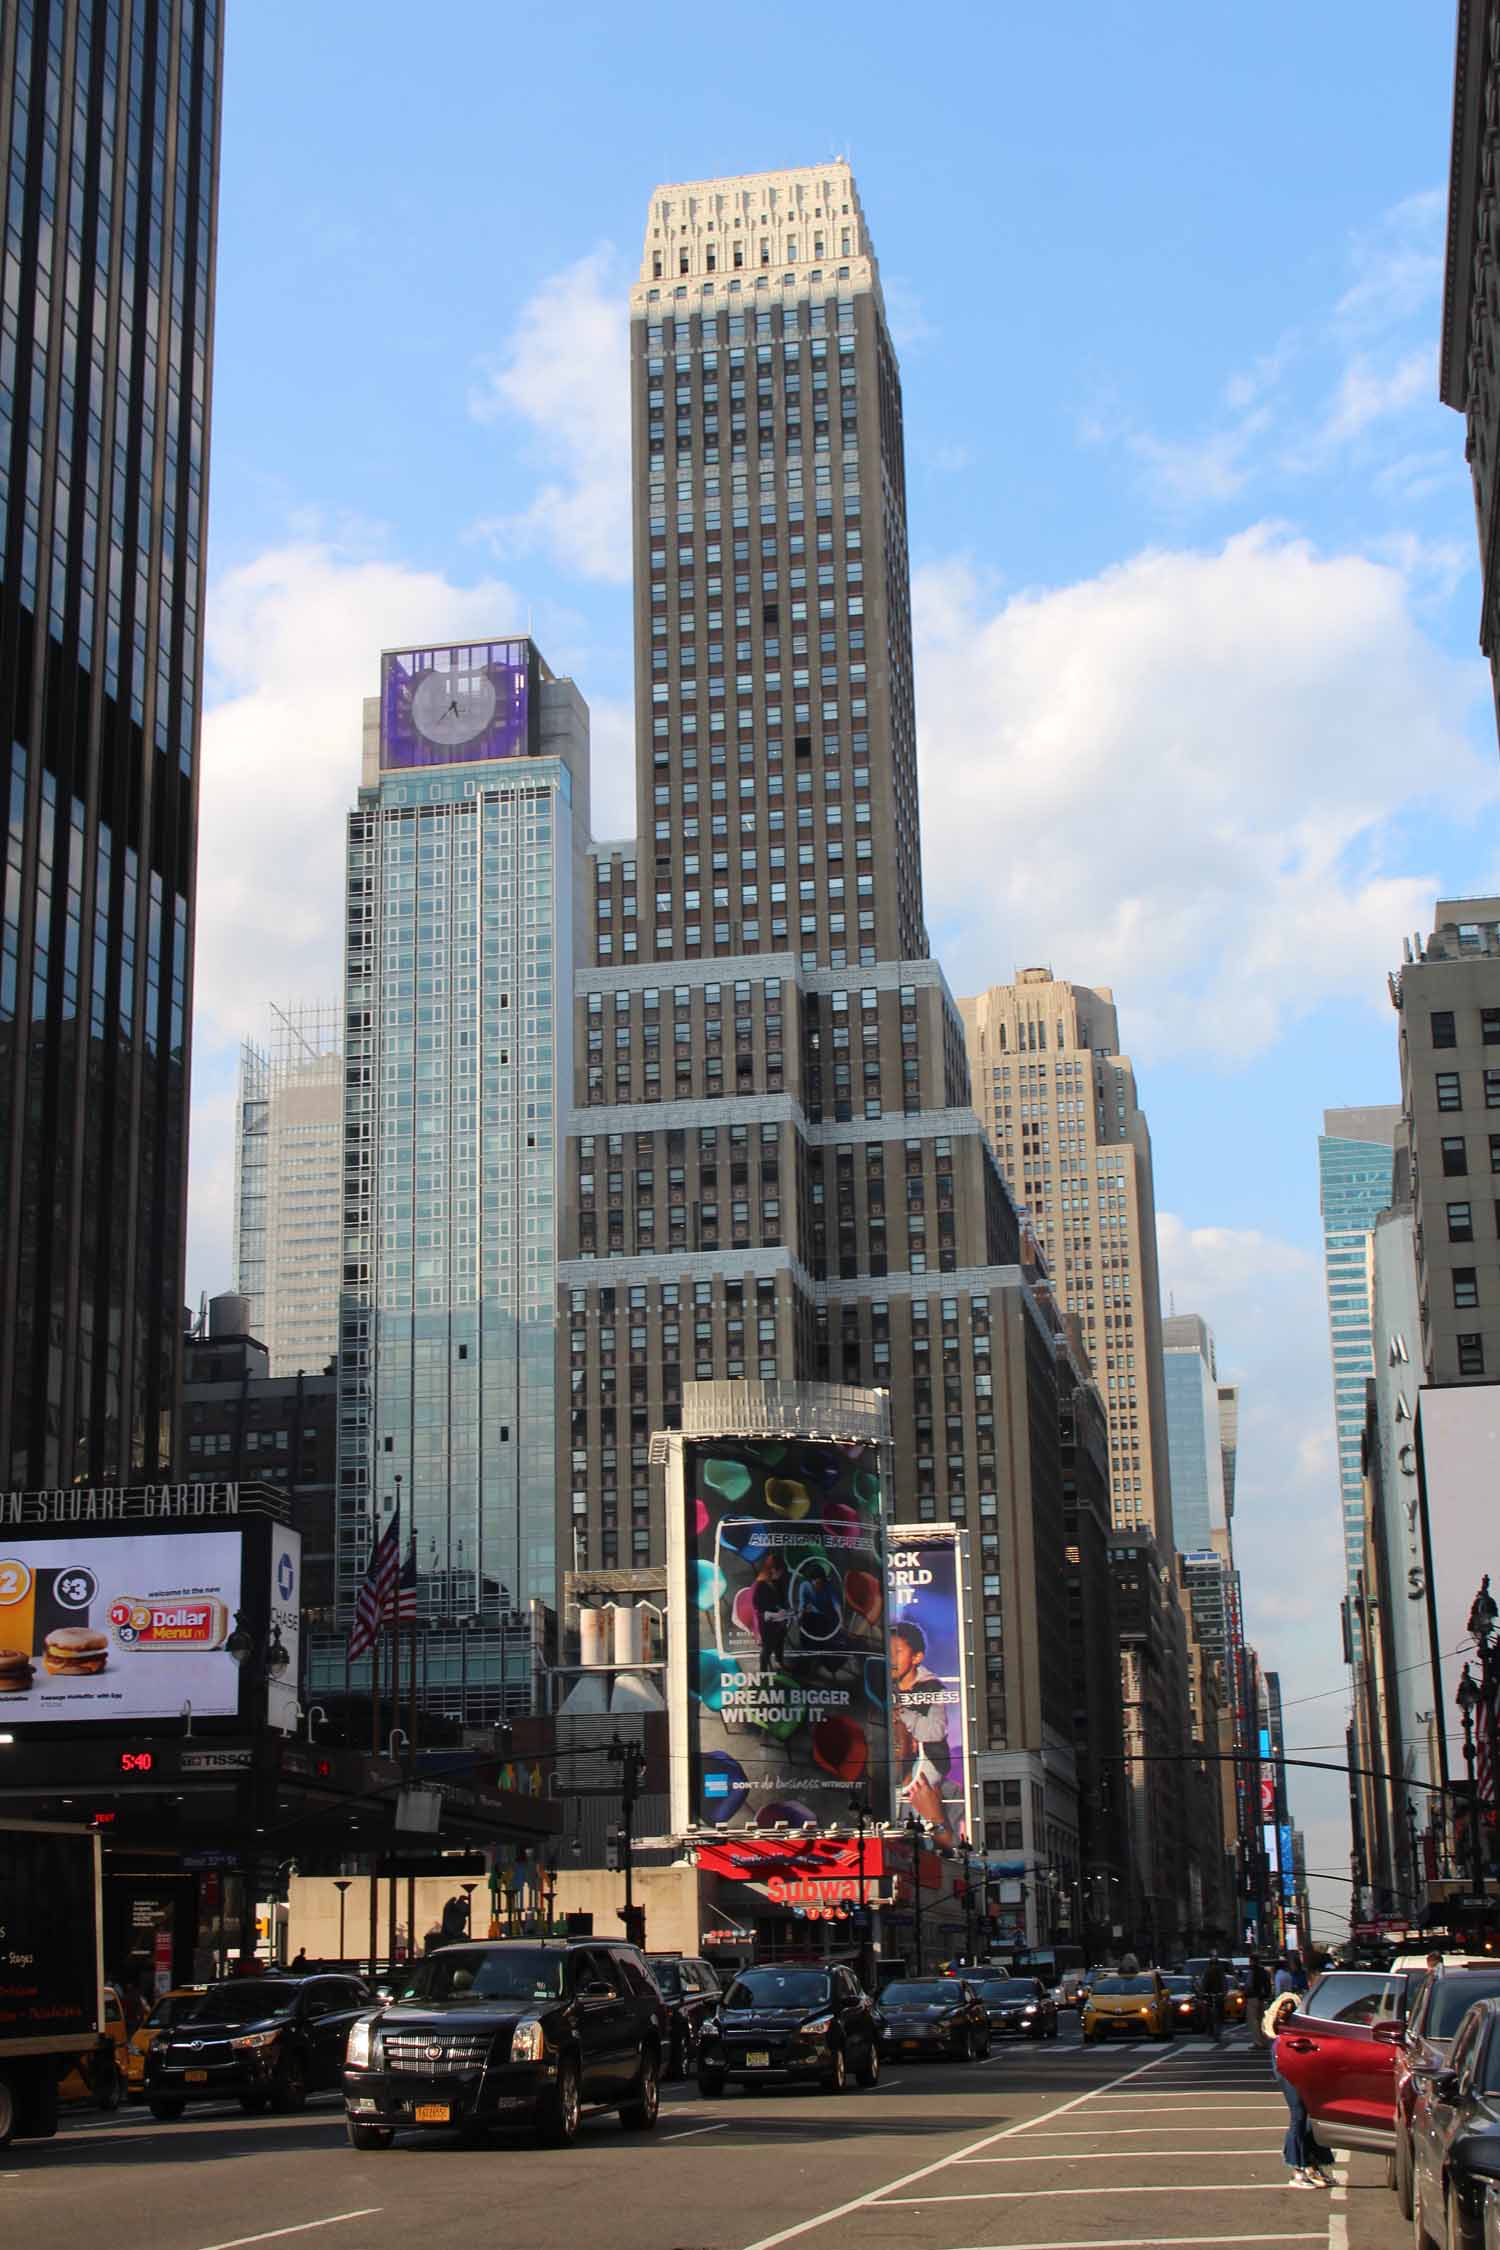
(631,1759)
(916,1829)
(1467,1699)
(859,1805)
(965,1854)
(341,1885)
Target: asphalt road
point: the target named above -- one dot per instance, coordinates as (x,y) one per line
(1041,2148)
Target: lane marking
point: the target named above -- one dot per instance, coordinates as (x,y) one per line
(1114,2155)
(1044,2195)
(1138,2242)
(693,2131)
(307,2226)
(925,2171)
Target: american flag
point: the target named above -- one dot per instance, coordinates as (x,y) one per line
(373,1603)
(406,1592)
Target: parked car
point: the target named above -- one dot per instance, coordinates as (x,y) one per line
(934,2016)
(691,1991)
(1441,2002)
(1339,2051)
(1121,2005)
(268,2042)
(1020,2004)
(527,2030)
(162,2015)
(1455,2140)
(782,2024)
(1189,2002)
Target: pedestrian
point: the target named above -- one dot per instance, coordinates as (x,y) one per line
(769,1600)
(299,1961)
(1213,1991)
(1283,1981)
(1257,2000)
(1303,2156)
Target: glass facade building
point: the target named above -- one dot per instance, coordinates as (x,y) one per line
(457,1084)
(1195,1436)
(109,160)
(1356,1170)
(289,1186)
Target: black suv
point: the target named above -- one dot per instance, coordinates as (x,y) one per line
(268,2041)
(781,2024)
(692,1991)
(515,2030)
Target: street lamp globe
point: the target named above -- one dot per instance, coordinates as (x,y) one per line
(1466,1694)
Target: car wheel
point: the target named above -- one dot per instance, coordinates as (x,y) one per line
(289,2086)
(254,2105)
(836,2076)
(986,2046)
(109,2092)
(868,2073)
(640,2113)
(1401,2158)
(710,2083)
(557,2112)
(368,2137)
(7,2114)
(167,2112)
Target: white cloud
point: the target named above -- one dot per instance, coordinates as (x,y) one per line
(565,374)
(1181,777)
(1367,393)
(905,316)
(1398,265)
(1199,472)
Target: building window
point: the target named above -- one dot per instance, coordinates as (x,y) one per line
(1466,1285)
(1471,1355)
(1456,1155)
(1444,1030)
(1492,1089)
(1489,1026)
(1460,1222)
(1449,1092)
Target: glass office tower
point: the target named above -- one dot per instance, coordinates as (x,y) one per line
(109,163)
(1356,1168)
(461,882)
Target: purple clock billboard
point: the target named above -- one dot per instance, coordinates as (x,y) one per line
(777,1554)
(455,706)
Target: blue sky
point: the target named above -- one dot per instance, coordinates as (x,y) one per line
(1193,546)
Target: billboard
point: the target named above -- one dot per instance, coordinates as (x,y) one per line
(931,1739)
(776,1549)
(130,1626)
(454,706)
(1458,1461)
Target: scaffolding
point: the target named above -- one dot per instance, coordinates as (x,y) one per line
(288,1184)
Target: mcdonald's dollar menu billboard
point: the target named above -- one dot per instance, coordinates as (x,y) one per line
(776,1549)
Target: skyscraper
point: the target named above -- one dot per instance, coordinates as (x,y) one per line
(1466,372)
(776,1172)
(289,1187)
(1195,1435)
(1356,1158)
(1058,1101)
(463,861)
(109,149)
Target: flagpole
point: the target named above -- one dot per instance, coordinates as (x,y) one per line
(374,1746)
(393,1619)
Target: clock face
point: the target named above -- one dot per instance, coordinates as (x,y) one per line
(452,708)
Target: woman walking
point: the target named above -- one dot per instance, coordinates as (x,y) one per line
(1305,2160)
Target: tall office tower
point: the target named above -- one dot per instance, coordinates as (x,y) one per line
(1466,358)
(109,149)
(464,858)
(1195,1434)
(1229,1440)
(777,1173)
(1058,1101)
(289,1187)
(1447,995)
(1356,1157)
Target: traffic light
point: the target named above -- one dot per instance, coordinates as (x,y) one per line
(634,1919)
(615,1850)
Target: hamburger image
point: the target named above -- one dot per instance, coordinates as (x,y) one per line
(15,1671)
(74,1651)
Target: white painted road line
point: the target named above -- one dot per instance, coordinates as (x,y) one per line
(1140,2241)
(274,2234)
(1117,2155)
(1043,2195)
(925,2171)
(1125,2132)
(694,2130)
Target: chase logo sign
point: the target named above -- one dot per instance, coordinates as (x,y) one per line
(286,1577)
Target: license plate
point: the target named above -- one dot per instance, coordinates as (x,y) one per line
(431,2113)
(758,2059)
(196,2077)
(909,2044)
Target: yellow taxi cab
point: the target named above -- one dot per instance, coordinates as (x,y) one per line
(1234,2001)
(100,2077)
(1127,2005)
(161,2018)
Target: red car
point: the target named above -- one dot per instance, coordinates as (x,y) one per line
(1339,2051)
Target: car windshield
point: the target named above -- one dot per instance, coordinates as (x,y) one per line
(669,1977)
(1009,1988)
(903,1994)
(244,2002)
(1111,1988)
(1180,1984)
(778,1988)
(169,2009)
(1454,1997)
(522,1972)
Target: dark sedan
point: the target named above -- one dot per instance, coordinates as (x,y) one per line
(783,2025)
(1022,2005)
(1188,2003)
(266,2042)
(1455,2141)
(1443,2001)
(934,2016)
(692,1991)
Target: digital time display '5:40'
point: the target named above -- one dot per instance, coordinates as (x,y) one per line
(136,1761)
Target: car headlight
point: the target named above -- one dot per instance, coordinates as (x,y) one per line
(819,2028)
(1029,2009)
(255,2039)
(528,2040)
(1144,2010)
(358,2052)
